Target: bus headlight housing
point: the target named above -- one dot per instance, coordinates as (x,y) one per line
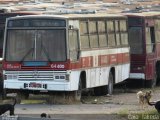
(10,77)
(61,77)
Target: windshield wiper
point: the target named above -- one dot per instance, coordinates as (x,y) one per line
(29,51)
(46,53)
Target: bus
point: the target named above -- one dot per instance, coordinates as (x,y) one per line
(3,16)
(144,41)
(65,53)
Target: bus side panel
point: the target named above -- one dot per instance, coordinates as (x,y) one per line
(74,80)
(104,75)
(125,71)
(150,70)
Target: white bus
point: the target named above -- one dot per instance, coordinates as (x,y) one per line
(65,53)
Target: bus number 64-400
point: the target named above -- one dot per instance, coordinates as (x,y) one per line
(57,66)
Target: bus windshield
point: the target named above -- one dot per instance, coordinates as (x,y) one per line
(135,40)
(36,45)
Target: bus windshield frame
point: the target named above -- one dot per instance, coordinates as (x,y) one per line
(35,43)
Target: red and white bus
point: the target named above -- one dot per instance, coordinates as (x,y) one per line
(3,15)
(65,53)
(144,40)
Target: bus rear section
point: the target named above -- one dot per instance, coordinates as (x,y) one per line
(60,54)
(144,42)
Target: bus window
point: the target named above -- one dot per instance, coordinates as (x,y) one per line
(123,26)
(84,27)
(157,32)
(117,30)
(93,34)
(101,27)
(111,34)
(36,45)
(102,40)
(157,24)
(150,40)
(94,41)
(73,44)
(110,27)
(102,34)
(118,39)
(111,40)
(117,26)
(84,41)
(124,38)
(135,40)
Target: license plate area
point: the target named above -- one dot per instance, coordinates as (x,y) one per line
(35,85)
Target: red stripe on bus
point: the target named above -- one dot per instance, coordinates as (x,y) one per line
(84,62)
(87,62)
(103,60)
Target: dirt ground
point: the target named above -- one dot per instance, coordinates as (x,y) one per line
(124,101)
(121,103)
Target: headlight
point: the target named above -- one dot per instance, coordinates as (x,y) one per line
(61,77)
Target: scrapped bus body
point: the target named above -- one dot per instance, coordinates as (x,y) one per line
(65,53)
(144,40)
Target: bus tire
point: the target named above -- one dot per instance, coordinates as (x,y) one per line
(150,83)
(158,72)
(110,84)
(3,94)
(154,81)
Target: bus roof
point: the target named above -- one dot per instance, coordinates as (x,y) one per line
(143,14)
(71,16)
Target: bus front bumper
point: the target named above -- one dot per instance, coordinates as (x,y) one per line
(37,85)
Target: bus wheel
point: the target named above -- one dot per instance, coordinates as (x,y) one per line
(3,94)
(151,83)
(154,81)
(110,84)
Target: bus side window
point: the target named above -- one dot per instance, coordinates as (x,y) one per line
(102,34)
(150,40)
(73,45)
(123,32)
(111,34)
(117,32)
(84,35)
(157,30)
(93,34)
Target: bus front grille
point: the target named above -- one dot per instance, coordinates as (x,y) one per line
(32,75)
